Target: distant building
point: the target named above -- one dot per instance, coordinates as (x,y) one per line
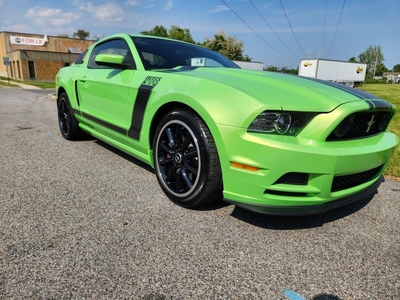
(37,57)
(392,77)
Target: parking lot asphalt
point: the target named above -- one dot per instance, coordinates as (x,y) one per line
(81,220)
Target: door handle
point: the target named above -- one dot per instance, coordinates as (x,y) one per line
(83,79)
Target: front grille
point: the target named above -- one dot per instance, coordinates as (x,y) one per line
(361,124)
(348,181)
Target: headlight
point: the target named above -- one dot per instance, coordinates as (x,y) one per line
(280,122)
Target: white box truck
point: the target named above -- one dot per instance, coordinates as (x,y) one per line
(250,65)
(343,72)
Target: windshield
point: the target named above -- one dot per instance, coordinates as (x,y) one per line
(167,54)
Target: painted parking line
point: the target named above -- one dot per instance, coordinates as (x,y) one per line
(293,295)
(54,137)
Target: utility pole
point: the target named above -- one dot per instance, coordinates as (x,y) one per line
(6,62)
(376,62)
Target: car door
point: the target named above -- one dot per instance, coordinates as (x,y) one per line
(105,93)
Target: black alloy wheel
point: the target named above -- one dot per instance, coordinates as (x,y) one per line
(186,160)
(66,120)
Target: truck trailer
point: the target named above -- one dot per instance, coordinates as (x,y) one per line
(343,72)
(250,65)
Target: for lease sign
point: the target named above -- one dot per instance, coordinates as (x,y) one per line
(32,41)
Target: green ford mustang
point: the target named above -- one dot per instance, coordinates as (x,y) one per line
(268,142)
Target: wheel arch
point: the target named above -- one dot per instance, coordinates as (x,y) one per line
(162,111)
(61,90)
(205,117)
(214,182)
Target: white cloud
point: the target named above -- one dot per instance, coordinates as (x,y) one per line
(51,16)
(132,2)
(150,4)
(17,28)
(219,8)
(42,12)
(108,12)
(169,5)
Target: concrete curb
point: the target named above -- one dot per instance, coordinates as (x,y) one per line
(23,85)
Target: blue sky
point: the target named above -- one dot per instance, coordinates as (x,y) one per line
(275,32)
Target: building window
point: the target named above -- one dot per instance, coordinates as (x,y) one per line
(31,67)
(18,72)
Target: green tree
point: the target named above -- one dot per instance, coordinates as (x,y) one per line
(396,68)
(64,35)
(158,30)
(175,32)
(226,45)
(372,57)
(353,59)
(272,68)
(181,34)
(380,68)
(229,46)
(81,34)
(98,37)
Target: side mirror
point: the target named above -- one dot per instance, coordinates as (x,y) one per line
(111,60)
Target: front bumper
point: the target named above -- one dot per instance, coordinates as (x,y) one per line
(297,175)
(310,209)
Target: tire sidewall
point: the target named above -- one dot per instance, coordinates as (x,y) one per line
(192,122)
(64,98)
(74,132)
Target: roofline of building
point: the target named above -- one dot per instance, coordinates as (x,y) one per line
(25,50)
(53,36)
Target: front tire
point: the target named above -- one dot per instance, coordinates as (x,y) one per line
(186,160)
(66,120)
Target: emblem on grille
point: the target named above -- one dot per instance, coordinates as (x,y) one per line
(370,123)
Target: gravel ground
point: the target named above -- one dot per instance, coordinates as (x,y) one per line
(80,220)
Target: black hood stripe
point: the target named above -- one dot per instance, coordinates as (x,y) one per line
(350,90)
(380,105)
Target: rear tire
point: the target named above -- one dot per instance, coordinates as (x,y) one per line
(186,160)
(67,122)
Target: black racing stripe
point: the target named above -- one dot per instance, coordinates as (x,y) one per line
(350,90)
(76,92)
(381,105)
(138,111)
(104,123)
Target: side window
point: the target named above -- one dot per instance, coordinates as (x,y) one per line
(79,60)
(111,47)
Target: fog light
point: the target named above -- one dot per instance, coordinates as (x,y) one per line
(384,122)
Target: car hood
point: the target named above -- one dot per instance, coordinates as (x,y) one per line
(289,92)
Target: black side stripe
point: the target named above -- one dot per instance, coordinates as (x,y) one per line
(138,111)
(104,123)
